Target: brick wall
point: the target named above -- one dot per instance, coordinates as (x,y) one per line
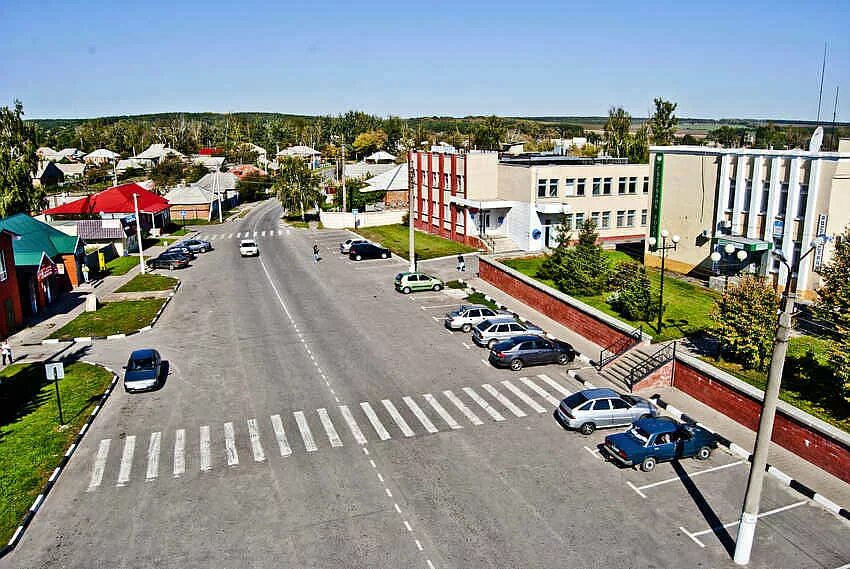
(662,377)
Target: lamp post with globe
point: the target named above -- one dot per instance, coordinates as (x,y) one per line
(663,247)
(729,249)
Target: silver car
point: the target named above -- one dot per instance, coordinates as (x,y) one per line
(345,246)
(494,330)
(593,408)
(468,315)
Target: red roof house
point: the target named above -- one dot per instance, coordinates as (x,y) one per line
(116,203)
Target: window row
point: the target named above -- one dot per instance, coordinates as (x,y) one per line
(548,187)
(624,218)
(764,198)
(434,179)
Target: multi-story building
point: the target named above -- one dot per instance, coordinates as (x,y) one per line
(755,200)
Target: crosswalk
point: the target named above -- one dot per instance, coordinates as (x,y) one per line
(253,234)
(325,428)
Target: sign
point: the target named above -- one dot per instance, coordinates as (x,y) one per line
(535,234)
(46,270)
(778,227)
(355,211)
(183,213)
(54,370)
(655,202)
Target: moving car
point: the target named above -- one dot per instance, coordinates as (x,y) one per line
(521,351)
(143,371)
(196,245)
(409,282)
(495,330)
(360,251)
(345,246)
(468,315)
(248,248)
(590,409)
(169,260)
(661,439)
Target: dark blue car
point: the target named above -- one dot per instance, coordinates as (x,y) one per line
(143,371)
(660,439)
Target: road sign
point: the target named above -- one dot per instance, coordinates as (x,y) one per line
(183,213)
(355,211)
(54,371)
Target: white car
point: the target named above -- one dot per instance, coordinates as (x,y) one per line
(345,246)
(248,248)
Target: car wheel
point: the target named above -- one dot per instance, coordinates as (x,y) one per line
(516,364)
(406,290)
(437,287)
(703,453)
(587,428)
(648,464)
(383,255)
(492,343)
(466,327)
(563,359)
(358,258)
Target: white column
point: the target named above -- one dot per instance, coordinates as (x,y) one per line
(740,193)
(722,192)
(772,198)
(809,223)
(755,197)
(791,208)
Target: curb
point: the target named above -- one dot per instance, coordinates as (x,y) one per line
(28,517)
(743,454)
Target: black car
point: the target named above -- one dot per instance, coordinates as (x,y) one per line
(143,371)
(529,349)
(170,260)
(186,250)
(360,251)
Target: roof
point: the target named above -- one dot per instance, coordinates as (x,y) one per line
(244,170)
(68,153)
(117,199)
(218,181)
(363,169)
(155,151)
(391,180)
(45,152)
(253,147)
(658,425)
(210,162)
(102,153)
(72,169)
(380,155)
(128,163)
(299,150)
(37,239)
(100,229)
(188,195)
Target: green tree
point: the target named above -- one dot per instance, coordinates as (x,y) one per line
(663,123)
(18,163)
(488,135)
(370,141)
(632,296)
(297,186)
(554,261)
(253,187)
(167,172)
(581,269)
(194,172)
(728,136)
(744,322)
(617,137)
(833,306)
(639,146)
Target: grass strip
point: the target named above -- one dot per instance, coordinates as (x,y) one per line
(148,282)
(112,318)
(396,238)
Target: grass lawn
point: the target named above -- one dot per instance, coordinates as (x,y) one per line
(428,246)
(148,281)
(478,298)
(122,265)
(181,231)
(31,445)
(112,318)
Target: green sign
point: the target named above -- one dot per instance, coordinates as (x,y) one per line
(655,210)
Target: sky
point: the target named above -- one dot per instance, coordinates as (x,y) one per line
(753,59)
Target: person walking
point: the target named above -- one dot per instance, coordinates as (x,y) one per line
(6,352)
(85,273)
(461,265)
(316,252)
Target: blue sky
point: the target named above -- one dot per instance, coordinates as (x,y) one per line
(721,59)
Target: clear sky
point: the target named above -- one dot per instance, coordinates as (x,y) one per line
(753,59)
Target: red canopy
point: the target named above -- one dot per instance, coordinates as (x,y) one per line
(117,199)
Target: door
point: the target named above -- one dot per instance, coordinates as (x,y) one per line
(33,295)
(665,448)
(602,413)
(620,412)
(9,311)
(484,222)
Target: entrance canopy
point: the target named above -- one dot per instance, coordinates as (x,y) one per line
(748,244)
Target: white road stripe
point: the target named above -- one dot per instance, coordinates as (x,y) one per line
(761,515)
(376,423)
(230,444)
(127,460)
(473,418)
(402,424)
(483,404)
(423,418)
(523,397)
(153,456)
(306,433)
(229,235)
(239,234)
(255,234)
(554,384)
(690,475)
(540,391)
(99,464)
(256,445)
(437,306)
(467,346)
(594,453)
(352,425)
(279,232)
(280,435)
(333,436)
(263,233)
(636,489)
(206,455)
(441,411)
(179,452)
(509,405)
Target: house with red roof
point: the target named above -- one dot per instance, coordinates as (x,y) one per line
(117,203)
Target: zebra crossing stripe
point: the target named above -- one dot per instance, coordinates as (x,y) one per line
(352,425)
(263,233)
(423,418)
(503,400)
(179,452)
(539,391)
(441,411)
(206,455)
(255,234)
(555,384)
(306,433)
(376,423)
(280,435)
(229,235)
(333,436)
(473,418)
(402,424)
(256,445)
(523,397)
(153,456)
(230,444)
(99,464)
(127,460)
(239,234)
(279,232)
(483,404)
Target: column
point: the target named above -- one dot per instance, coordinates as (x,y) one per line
(441,184)
(755,197)
(418,204)
(430,179)
(791,209)
(740,194)
(810,223)
(453,186)
(772,198)
(722,192)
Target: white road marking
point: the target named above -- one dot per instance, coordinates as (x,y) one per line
(636,489)
(473,418)
(376,423)
(402,424)
(690,475)
(540,391)
(407,526)
(418,545)
(467,346)
(441,411)
(554,384)
(333,436)
(255,234)
(263,233)
(206,455)
(230,444)
(256,445)
(761,515)
(430,565)
(239,234)
(423,418)
(483,404)
(306,433)
(279,232)
(280,435)
(352,425)
(692,536)
(437,306)
(153,456)
(509,405)
(179,452)
(483,361)
(397,507)
(594,453)
(229,235)
(523,397)
(99,464)
(127,460)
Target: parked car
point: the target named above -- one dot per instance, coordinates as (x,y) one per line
(197,245)
(468,315)
(143,371)
(181,249)
(345,246)
(661,439)
(248,248)
(169,260)
(360,251)
(409,282)
(520,351)
(495,330)
(590,409)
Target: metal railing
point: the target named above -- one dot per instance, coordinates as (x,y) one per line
(652,363)
(617,347)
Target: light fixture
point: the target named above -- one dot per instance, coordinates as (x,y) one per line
(676,238)
(729,248)
(741,254)
(715,256)
(665,233)
(652,241)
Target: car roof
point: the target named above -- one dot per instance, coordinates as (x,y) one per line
(658,425)
(599,392)
(144,353)
(246,241)
(471,306)
(524,338)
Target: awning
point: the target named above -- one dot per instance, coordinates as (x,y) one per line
(552,207)
(483,204)
(748,244)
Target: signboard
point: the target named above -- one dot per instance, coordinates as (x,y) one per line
(46,270)
(655,203)
(54,371)
(355,211)
(778,227)
(183,213)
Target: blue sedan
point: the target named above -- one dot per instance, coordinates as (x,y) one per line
(143,371)
(659,439)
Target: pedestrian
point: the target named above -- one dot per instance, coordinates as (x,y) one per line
(316,252)
(461,265)
(6,352)
(85,273)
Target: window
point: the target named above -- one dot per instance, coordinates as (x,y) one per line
(633,185)
(516,328)
(568,222)
(783,199)
(606,188)
(748,195)
(606,220)
(569,186)
(764,196)
(619,404)
(621,218)
(3,274)
(445,180)
(597,186)
(580,187)
(601,405)
(621,186)
(541,188)
(630,218)
(730,204)
(579,220)
(435,179)
(804,197)
(553,188)
(646,184)
(595,216)
(643,217)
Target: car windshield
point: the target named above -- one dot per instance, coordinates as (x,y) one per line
(639,434)
(575,400)
(141,364)
(630,400)
(248,244)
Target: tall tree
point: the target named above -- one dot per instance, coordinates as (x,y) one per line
(18,163)
(663,123)
(368,142)
(297,187)
(489,134)
(639,146)
(580,269)
(617,137)
(833,306)
(744,321)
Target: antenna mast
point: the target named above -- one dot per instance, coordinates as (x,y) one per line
(822,70)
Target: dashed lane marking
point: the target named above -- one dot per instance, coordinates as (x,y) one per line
(179,452)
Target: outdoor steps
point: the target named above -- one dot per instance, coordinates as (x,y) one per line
(503,244)
(617,371)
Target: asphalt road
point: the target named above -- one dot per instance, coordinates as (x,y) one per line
(312,417)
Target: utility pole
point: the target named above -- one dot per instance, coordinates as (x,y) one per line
(410,199)
(139,232)
(344,209)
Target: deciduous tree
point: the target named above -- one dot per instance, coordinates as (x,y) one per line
(833,306)
(297,187)
(18,163)
(744,322)
(617,137)
(663,123)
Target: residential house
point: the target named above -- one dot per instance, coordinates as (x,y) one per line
(105,232)
(155,153)
(101,156)
(223,185)
(310,155)
(192,203)
(394,182)
(10,294)
(72,154)
(48,174)
(380,157)
(46,153)
(211,163)
(259,151)
(72,172)
(244,170)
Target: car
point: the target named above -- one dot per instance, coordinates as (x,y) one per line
(520,351)
(590,409)
(248,248)
(143,371)
(196,245)
(409,282)
(660,439)
(360,251)
(495,330)
(468,315)
(181,249)
(345,246)
(169,260)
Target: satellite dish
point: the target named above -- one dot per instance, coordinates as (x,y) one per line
(816,140)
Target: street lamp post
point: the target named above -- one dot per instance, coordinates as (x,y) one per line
(664,247)
(139,233)
(729,248)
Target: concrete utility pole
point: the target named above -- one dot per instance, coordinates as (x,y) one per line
(343,176)
(410,198)
(139,233)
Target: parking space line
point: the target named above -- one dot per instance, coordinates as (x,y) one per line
(483,404)
(594,453)
(230,444)
(126,460)
(304,429)
(692,536)
(736,522)
(333,436)
(467,346)
(423,418)
(256,445)
(179,452)
(473,418)
(483,361)
(441,411)
(280,435)
(539,391)
(352,424)
(691,475)
(206,455)
(153,456)
(99,464)
(636,489)
(402,424)
(522,396)
(555,385)
(509,405)
(437,306)
(383,434)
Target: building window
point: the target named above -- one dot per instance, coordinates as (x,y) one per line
(606,219)
(621,218)
(595,216)
(435,179)
(764,196)
(621,186)
(569,186)
(606,187)
(568,221)
(445,180)
(804,197)
(748,195)
(580,187)
(783,199)
(553,188)
(3,274)
(460,183)
(597,186)
(579,220)
(630,218)
(730,203)
(633,185)
(643,217)
(541,188)
(646,184)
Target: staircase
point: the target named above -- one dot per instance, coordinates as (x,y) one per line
(500,244)
(631,367)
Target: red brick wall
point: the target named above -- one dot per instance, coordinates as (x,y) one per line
(9,287)
(662,377)
(817,448)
